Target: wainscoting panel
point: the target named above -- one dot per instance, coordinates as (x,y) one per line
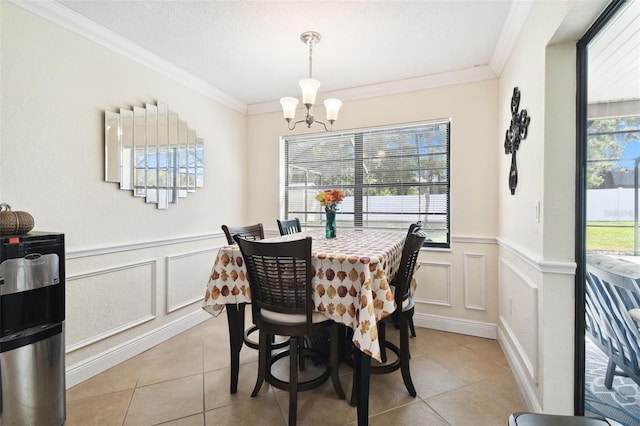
(519,315)
(118,298)
(433,283)
(187,276)
(475,281)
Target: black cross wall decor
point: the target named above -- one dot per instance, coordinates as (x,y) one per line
(516,132)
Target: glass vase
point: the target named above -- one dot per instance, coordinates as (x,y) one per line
(330,224)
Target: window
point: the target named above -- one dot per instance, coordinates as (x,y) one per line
(391,177)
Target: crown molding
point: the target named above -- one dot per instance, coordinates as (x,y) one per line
(467,75)
(78,24)
(518,13)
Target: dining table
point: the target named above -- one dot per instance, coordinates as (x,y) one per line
(351,276)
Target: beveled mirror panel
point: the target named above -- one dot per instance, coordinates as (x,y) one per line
(153,153)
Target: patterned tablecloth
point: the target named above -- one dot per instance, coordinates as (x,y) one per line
(350,283)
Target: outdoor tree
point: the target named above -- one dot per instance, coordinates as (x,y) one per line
(606,141)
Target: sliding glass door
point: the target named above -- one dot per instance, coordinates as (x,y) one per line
(607,223)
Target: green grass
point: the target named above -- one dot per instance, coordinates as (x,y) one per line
(616,237)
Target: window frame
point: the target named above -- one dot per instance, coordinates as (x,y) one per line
(359,187)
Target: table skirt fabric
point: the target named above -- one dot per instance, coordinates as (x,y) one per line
(350,284)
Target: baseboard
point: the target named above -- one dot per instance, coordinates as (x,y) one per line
(520,374)
(456,325)
(96,364)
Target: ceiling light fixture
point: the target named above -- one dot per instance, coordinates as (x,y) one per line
(309,88)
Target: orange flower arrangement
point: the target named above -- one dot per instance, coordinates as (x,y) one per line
(330,198)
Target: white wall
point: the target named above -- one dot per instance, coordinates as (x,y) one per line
(132,270)
(457,288)
(536,256)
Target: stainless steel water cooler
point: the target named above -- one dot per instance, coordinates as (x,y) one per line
(32,348)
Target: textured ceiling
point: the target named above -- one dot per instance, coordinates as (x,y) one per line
(251,51)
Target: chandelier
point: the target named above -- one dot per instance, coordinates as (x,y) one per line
(309,88)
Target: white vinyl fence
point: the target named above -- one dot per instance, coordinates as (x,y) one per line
(610,205)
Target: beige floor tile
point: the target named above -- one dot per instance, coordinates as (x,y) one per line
(121,377)
(428,341)
(216,354)
(189,339)
(465,339)
(386,391)
(417,413)
(179,393)
(468,407)
(504,389)
(467,364)
(489,348)
(101,410)
(254,411)
(197,420)
(171,365)
(162,402)
(430,378)
(320,406)
(217,382)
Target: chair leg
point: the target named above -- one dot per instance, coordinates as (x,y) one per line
(264,353)
(382,338)
(611,372)
(301,362)
(235,319)
(404,356)
(334,359)
(293,379)
(412,327)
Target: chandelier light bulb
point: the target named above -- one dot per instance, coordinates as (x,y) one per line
(309,88)
(289,105)
(332,105)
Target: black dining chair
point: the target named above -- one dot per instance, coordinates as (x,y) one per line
(280,276)
(412,328)
(412,228)
(254,233)
(291,226)
(402,315)
(250,232)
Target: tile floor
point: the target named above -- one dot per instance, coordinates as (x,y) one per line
(460,380)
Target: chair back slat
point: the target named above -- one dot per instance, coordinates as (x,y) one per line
(279,275)
(408,261)
(249,232)
(291,226)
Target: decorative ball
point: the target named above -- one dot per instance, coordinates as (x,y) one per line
(14,223)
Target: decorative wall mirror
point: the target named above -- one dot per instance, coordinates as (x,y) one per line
(153,153)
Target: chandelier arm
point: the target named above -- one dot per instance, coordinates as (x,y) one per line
(294,124)
(325,126)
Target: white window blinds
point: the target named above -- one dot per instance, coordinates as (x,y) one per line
(391,177)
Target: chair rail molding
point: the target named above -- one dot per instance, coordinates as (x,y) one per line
(544,266)
(109,249)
